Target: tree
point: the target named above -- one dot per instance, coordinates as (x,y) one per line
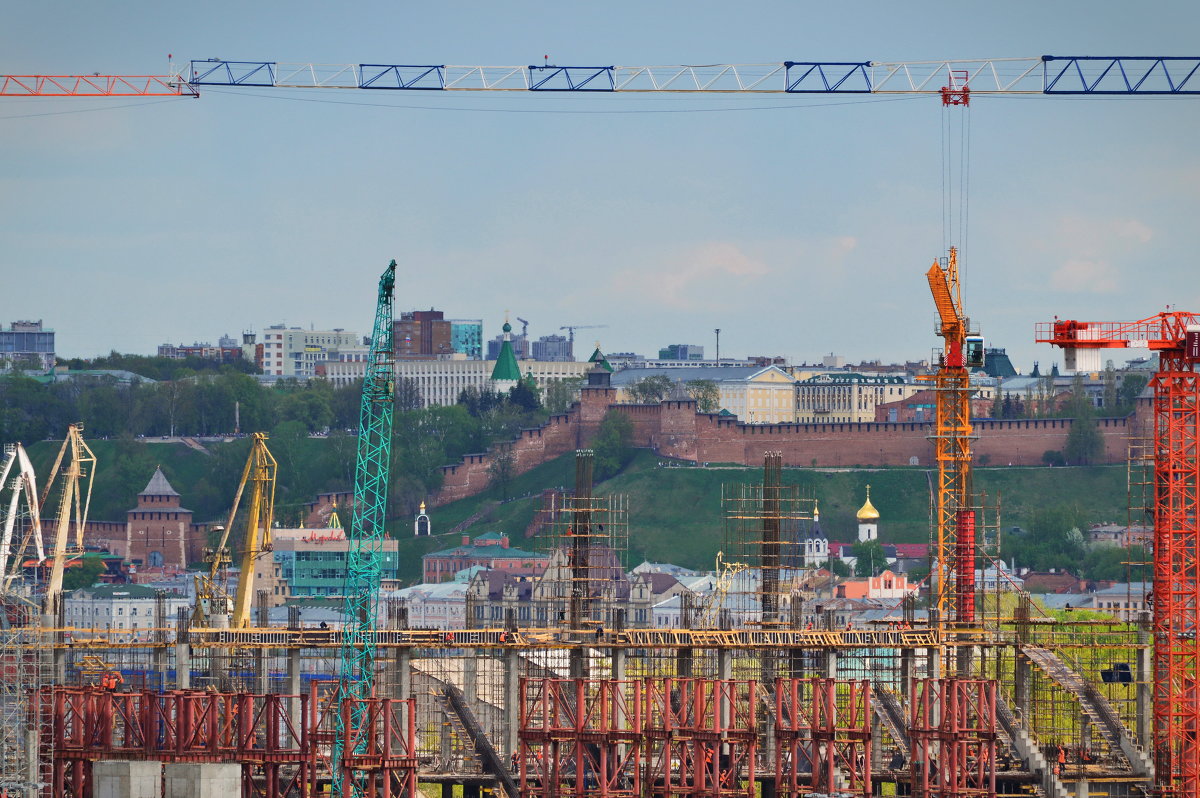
(561,394)
(524,396)
(1084,444)
(613,444)
(652,389)
(502,468)
(837,567)
(407,394)
(869,557)
(706,394)
(83,575)
(1131,388)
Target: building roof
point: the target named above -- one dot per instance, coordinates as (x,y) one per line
(158,485)
(868,512)
(506,367)
(473,550)
(599,358)
(686,373)
(105,591)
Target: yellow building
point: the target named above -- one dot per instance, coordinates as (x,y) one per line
(755,394)
(768,396)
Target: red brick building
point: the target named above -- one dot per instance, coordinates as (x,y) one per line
(490,550)
(159,532)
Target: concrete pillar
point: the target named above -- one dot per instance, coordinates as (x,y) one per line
(1144,687)
(577,663)
(470,680)
(202,780)
(1022,684)
(160,666)
(470,790)
(183,666)
(447,789)
(683,663)
(907,655)
(262,670)
(620,663)
(829,663)
(512,700)
(933,663)
(122,779)
(293,686)
(403,676)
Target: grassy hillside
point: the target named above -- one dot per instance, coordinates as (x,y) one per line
(675,510)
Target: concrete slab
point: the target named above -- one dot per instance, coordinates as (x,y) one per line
(207,780)
(120,779)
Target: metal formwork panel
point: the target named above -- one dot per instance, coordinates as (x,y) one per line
(823,736)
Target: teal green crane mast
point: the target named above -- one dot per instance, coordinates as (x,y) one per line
(364,555)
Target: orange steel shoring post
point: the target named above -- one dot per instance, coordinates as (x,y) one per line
(1176,337)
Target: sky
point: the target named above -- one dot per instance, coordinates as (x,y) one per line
(798,225)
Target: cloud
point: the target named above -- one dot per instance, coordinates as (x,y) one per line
(1093,276)
(1092,254)
(702,277)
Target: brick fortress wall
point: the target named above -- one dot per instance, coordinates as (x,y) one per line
(674,429)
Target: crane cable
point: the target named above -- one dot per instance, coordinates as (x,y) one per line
(956,179)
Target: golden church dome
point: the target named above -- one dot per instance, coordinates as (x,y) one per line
(868,512)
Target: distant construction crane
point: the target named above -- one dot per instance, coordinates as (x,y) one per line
(524,328)
(212,601)
(75,496)
(23,485)
(573,327)
(364,552)
(1175,336)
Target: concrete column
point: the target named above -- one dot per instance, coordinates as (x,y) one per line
(1144,699)
(293,686)
(512,700)
(121,779)
(262,670)
(829,663)
(160,666)
(183,666)
(906,671)
(202,780)
(1022,685)
(933,663)
(403,675)
(620,663)
(470,680)
(577,663)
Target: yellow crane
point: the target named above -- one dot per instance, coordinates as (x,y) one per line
(953,513)
(73,503)
(212,601)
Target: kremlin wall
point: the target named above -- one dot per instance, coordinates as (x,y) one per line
(675,429)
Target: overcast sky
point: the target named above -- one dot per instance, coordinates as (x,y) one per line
(798,225)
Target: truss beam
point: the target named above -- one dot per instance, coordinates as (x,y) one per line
(94,86)
(1046,74)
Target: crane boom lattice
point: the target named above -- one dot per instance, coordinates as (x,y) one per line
(364,555)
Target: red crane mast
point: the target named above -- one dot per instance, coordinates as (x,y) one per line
(1175,336)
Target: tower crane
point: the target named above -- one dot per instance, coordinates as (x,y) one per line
(212,602)
(571,328)
(524,328)
(953,514)
(364,554)
(1175,336)
(74,499)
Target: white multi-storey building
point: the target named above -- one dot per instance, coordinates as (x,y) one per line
(122,608)
(295,352)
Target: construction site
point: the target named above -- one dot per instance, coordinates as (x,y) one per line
(958,693)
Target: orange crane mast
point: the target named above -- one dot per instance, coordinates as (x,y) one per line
(953,513)
(1175,336)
